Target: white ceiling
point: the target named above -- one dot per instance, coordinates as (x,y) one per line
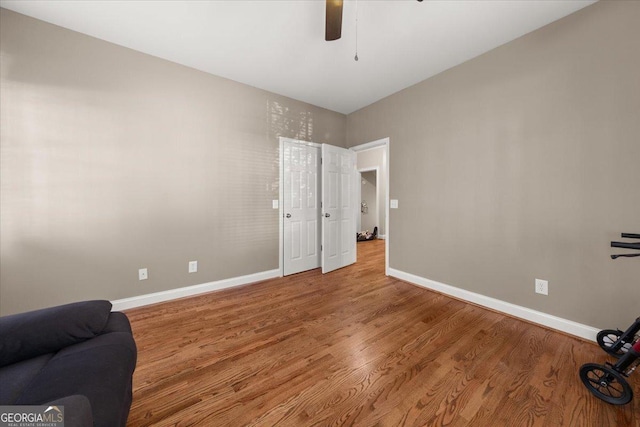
(279,45)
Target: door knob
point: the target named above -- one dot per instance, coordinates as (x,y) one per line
(327,215)
(288,215)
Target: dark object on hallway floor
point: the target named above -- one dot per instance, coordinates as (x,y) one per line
(79,355)
(365,235)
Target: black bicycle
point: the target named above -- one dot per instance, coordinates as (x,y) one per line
(609,381)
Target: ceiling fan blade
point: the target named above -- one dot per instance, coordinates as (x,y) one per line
(333,20)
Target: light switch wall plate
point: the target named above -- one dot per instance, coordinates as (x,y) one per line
(274,204)
(393,203)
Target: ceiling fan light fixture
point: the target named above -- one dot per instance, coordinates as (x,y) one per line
(333,20)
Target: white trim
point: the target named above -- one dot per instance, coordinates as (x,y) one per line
(369,169)
(156,297)
(382,236)
(280,212)
(386,143)
(558,323)
(299,141)
(371,145)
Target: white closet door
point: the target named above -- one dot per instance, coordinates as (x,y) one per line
(301,207)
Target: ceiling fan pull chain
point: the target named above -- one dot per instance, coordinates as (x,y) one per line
(356,57)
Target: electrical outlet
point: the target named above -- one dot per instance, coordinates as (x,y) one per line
(542,287)
(193,266)
(143,274)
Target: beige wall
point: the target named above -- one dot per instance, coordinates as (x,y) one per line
(523,163)
(368,194)
(112,160)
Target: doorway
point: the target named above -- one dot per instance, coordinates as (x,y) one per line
(318,206)
(372,155)
(369,200)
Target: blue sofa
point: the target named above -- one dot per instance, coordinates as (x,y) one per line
(79,355)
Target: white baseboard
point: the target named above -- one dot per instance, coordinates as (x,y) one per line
(558,323)
(382,236)
(156,297)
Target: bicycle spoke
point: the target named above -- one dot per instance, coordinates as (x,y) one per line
(609,389)
(615,393)
(595,378)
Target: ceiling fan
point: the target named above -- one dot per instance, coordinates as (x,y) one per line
(333,20)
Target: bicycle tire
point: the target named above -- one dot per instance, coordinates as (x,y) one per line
(606,384)
(607,337)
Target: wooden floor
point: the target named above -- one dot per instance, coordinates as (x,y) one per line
(354,347)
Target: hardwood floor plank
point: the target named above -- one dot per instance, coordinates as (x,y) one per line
(355,347)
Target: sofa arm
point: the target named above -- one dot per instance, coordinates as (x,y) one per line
(100,369)
(118,322)
(31,334)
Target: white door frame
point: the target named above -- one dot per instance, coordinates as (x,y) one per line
(377,170)
(384,142)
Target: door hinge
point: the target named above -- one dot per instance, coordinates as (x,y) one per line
(320,248)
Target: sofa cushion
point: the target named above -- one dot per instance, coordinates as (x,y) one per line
(31,334)
(100,369)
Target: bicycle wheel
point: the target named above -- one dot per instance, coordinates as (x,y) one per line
(607,338)
(606,383)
